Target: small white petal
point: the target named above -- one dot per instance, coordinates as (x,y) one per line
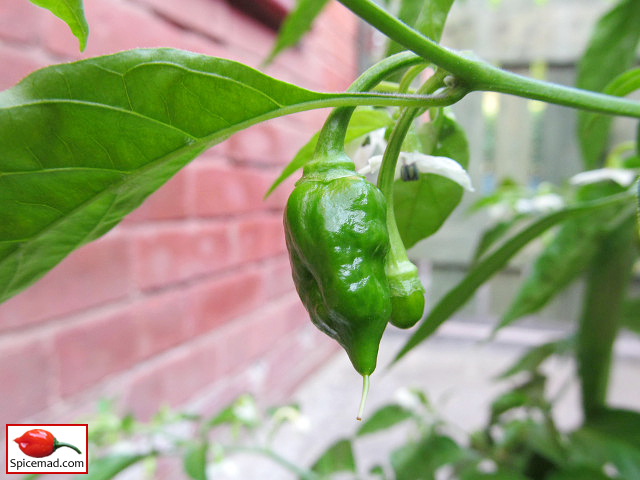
(541,203)
(372,166)
(621,176)
(443,166)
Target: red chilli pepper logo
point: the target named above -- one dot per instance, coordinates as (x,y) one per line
(39,443)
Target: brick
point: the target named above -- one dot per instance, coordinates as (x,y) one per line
(19,21)
(171,381)
(174,254)
(260,237)
(218,301)
(209,18)
(225,190)
(97,273)
(163,321)
(280,281)
(26,371)
(18,62)
(95,348)
(115,25)
(275,142)
(167,203)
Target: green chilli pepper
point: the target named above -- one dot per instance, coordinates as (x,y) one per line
(338,242)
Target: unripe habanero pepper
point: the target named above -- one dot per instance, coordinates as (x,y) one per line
(337,240)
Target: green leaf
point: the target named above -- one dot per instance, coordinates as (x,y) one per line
(493,234)
(338,458)
(630,317)
(611,51)
(481,272)
(363,121)
(422,458)
(195,461)
(493,476)
(110,131)
(422,206)
(384,418)
(105,468)
(621,424)
(72,13)
(564,259)
(578,473)
(533,358)
(297,23)
(594,128)
(426,17)
(592,448)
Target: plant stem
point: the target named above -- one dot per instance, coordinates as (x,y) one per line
(387,173)
(607,279)
(480,75)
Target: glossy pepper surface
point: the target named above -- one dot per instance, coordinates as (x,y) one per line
(337,240)
(40,443)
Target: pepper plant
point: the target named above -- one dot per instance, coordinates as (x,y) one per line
(106,141)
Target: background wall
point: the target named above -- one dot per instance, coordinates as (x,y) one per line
(189,300)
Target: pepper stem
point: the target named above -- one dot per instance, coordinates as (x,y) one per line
(363,400)
(57,445)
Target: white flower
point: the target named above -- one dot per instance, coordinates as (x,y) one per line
(443,166)
(542,203)
(374,146)
(621,176)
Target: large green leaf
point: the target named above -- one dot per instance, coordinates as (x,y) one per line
(337,458)
(385,417)
(362,122)
(593,127)
(481,272)
(195,460)
(630,316)
(426,17)
(83,144)
(618,423)
(611,51)
(579,473)
(562,261)
(72,13)
(422,458)
(422,206)
(592,448)
(533,358)
(297,23)
(105,468)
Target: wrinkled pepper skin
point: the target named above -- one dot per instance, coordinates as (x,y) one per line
(338,241)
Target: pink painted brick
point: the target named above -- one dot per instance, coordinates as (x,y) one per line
(210,18)
(18,62)
(219,301)
(274,142)
(260,237)
(94,348)
(168,202)
(97,273)
(19,21)
(115,26)
(27,373)
(224,190)
(175,253)
(278,273)
(163,321)
(170,381)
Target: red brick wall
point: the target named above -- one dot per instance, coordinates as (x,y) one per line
(190,297)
